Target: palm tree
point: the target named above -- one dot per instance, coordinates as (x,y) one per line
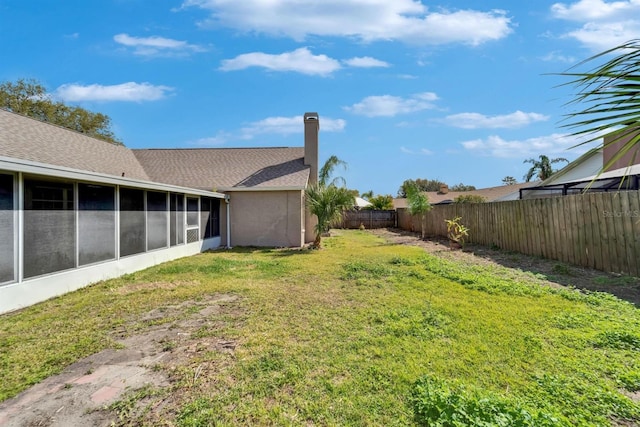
(542,167)
(611,94)
(327,170)
(367,195)
(326,200)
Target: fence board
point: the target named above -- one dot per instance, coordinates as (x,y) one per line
(634,205)
(561,228)
(597,230)
(627,232)
(370,219)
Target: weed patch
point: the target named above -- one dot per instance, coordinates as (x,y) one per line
(436,403)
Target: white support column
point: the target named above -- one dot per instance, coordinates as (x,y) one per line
(227,200)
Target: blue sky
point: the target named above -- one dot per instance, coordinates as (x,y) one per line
(453,90)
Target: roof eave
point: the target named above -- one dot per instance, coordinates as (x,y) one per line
(274,188)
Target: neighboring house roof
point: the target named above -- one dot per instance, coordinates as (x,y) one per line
(491,194)
(227,169)
(362,203)
(25,138)
(587,164)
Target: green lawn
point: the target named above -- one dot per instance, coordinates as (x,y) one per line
(359,333)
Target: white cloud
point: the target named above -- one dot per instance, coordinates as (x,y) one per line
(367,20)
(152,46)
(480,121)
(220,139)
(604,24)
(365,62)
(300,60)
(595,10)
(604,36)
(131,91)
(422,151)
(556,56)
(287,126)
(389,106)
(495,146)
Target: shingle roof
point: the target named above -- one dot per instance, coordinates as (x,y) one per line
(29,139)
(207,168)
(490,194)
(226,169)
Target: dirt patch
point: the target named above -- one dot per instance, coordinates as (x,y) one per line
(94,391)
(540,270)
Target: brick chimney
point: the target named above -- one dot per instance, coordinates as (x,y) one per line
(311,130)
(444,189)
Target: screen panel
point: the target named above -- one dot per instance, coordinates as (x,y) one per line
(132,222)
(49,227)
(176,219)
(7,225)
(192,211)
(157,217)
(205,217)
(96,223)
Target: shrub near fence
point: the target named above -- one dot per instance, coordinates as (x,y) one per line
(370,219)
(596,230)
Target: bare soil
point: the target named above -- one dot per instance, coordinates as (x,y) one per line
(543,271)
(109,387)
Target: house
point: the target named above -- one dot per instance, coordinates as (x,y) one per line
(75,210)
(595,170)
(490,194)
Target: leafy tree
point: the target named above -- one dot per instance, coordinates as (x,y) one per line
(509,180)
(469,198)
(462,187)
(611,95)
(542,167)
(381,202)
(326,200)
(30,98)
(418,204)
(422,184)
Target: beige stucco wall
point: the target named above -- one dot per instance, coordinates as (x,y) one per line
(265,218)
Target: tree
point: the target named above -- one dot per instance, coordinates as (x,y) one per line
(418,204)
(367,194)
(611,95)
(509,180)
(327,170)
(469,198)
(381,202)
(326,200)
(462,187)
(30,98)
(422,184)
(542,167)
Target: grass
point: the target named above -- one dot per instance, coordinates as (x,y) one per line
(359,333)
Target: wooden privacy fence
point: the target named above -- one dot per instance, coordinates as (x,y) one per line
(596,230)
(370,219)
